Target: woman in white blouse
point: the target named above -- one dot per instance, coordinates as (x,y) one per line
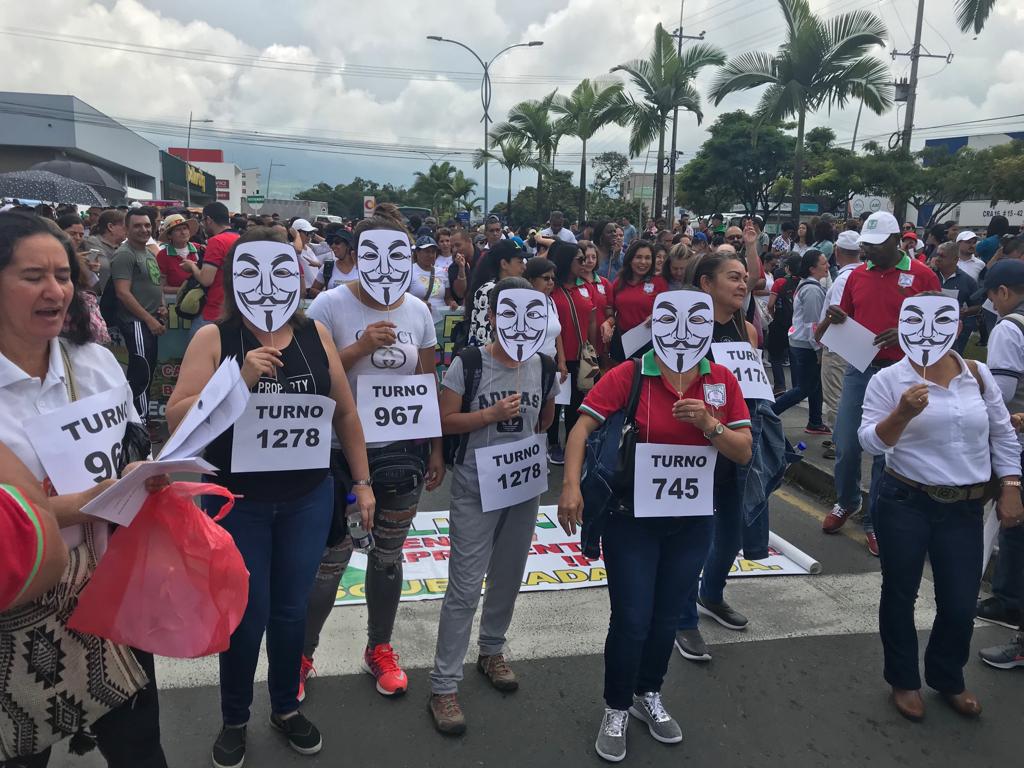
(944,431)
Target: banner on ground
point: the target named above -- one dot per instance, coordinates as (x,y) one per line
(556,561)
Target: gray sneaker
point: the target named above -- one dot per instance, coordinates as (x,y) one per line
(648,708)
(1005,656)
(611,739)
(690,643)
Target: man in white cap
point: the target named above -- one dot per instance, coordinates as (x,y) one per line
(833,367)
(969,262)
(311,263)
(872,296)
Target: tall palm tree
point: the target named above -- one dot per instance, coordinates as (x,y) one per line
(530,122)
(972,14)
(664,81)
(511,154)
(435,185)
(461,187)
(590,107)
(822,63)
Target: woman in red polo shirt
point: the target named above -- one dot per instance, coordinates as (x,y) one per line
(599,287)
(651,561)
(632,298)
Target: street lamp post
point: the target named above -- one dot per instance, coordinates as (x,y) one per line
(485,96)
(270,170)
(188,156)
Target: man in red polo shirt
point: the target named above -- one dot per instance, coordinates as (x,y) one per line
(217,224)
(873,296)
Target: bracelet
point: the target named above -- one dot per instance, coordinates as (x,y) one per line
(1010,483)
(367,483)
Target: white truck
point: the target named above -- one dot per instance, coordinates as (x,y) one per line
(287,209)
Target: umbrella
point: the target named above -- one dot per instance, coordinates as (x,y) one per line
(43,185)
(97,178)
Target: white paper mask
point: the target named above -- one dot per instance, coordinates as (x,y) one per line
(928,327)
(681,325)
(267,283)
(384,258)
(521,322)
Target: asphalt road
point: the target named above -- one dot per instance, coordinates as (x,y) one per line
(801,687)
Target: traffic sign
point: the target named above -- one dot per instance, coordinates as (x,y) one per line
(255,201)
(463,217)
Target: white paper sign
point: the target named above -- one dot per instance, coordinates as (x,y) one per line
(398,407)
(852,342)
(512,473)
(746,365)
(564,394)
(219,405)
(121,502)
(635,338)
(79,445)
(674,480)
(282,432)
(988,306)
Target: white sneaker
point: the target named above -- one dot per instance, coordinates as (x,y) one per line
(611,739)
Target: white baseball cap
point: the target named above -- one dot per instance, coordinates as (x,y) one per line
(878,228)
(966,235)
(847,240)
(302,225)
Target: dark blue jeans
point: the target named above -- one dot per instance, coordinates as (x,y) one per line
(650,563)
(910,527)
(806,385)
(1008,579)
(848,448)
(726,538)
(281,543)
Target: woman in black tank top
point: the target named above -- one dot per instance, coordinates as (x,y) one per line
(280,522)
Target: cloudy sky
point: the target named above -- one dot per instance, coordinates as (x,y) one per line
(337,89)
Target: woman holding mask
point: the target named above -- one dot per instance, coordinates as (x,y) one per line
(541,275)
(505,259)
(633,295)
(914,411)
(652,560)
(280,524)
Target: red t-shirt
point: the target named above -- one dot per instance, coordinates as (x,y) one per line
(778,285)
(600,293)
(584,305)
(654,409)
(633,304)
(217,248)
(873,296)
(170,267)
(22,544)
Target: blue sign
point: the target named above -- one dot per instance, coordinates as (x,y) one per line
(463,216)
(808,207)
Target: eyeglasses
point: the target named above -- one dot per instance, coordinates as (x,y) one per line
(548,278)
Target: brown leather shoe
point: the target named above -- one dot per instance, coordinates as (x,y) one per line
(965,703)
(498,671)
(908,703)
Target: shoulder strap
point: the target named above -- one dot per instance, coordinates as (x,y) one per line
(634,389)
(328,271)
(547,376)
(472,368)
(430,285)
(69,372)
(1017,319)
(972,366)
(572,311)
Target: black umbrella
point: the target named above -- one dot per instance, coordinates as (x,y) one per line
(97,178)
(43,185)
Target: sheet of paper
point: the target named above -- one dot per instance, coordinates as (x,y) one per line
(398,407)
(221,402)
(121,502)
(745,363)
(635,338)
(564,394)
(852,342)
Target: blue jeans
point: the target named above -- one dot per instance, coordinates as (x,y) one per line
(281,543)
(848,449)
(806,385)
(1008,579)
(650,563)
(778,370)
(726,538)
(911,526)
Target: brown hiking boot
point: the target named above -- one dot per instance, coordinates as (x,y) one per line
(447,714)
(498,671)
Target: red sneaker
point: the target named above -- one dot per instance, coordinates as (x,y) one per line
(382,663)
(872,542)
(836,519)
(306,671)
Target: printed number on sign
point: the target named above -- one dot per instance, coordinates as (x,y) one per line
(518,477)
(678,488)
(752,375)
(288,438)
(399,415)
(102,465)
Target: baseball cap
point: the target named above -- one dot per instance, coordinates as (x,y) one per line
(909,236)
(848,240)
(700,237)
(303,226)
(425,241)
(878,228)
(966,235)
(341,235)
(1009,272)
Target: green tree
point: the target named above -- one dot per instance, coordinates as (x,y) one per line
(530,122)
(610,170)
(347,199)
(589,108)
(559,192)
(1007,176)
(972,14)
(664,81)
(822,63)
(511,154)
(434,186)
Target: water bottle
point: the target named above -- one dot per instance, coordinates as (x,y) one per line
(362,539)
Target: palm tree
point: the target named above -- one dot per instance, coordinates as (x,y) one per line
(822,63)
(972,14)
(461,188)
(590,107)
(435,185)
(512,154)
(530,122)
(664,81)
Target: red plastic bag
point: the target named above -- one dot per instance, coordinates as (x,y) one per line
(172,583)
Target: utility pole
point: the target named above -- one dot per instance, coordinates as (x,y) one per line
(679,36)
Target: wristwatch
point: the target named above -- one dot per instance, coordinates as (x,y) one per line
(716,432)
(362,482)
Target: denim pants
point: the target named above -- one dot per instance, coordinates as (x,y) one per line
(1008,578)
(778,370)
(726,538)
(912,526)
(848,449)
(650,563)
(806,385)
(281,543)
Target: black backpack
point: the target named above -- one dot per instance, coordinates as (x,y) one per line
(328,271)
(472,369)
(109,304)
